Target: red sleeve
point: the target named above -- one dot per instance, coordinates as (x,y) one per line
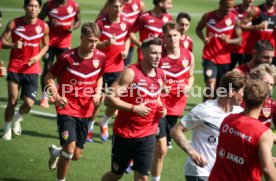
(137,25)
(59,66)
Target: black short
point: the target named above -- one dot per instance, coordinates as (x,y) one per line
(109,78)
(53,52)
(72,129)
(165,125)
(212,70)
(140,150)
(196,178)
(27,83)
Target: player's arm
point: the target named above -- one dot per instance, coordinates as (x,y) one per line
(44,48)
(6,44)
(43,13)
(134,39)
(126,48)
(238,39)
(265,155)
(180,139)
(98,92)
(245,22)
(199,29)
(143,7)
(191,77)
(77,19)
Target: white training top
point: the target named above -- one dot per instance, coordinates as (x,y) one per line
(205,120)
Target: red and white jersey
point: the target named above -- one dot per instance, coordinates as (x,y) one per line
(217,50)
(237,151)
(239,49)
(244,69)
(77,78)
(187,43)
(150,26)
(142,89)
(64,15)
(268,113)
(177,74)
(114,61)
(132,10)
(30,35)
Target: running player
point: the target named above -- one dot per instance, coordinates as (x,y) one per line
(184,22)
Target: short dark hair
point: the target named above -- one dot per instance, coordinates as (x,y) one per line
(26,2)
(263,45)
(254,94)
(234,79)
(91,28)
(151,41)
(156,2)
(170,26)
(183,15)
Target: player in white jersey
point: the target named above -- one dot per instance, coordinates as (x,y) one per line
(205,120)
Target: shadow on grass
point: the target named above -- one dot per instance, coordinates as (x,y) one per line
(35,134)
(14,179)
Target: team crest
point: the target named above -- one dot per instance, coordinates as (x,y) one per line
(209,72)
(266,111)
(38,29)
(96,63)
(165,19)
(185,63)
(228,22)
(65,135)
(69,9)
(135,7)
(123,26)
(186,44)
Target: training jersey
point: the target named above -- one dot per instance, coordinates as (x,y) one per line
(177,74)
(59,35)
(149,25)
(244,69)
(114,59)
(187,43)
(268,113)
(238,154)
(205,120)
(241,13)
(217,50)
(131,10)
(77,79)
(267,34)
(31,36)
(142,89)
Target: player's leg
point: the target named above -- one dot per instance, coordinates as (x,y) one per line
(210,75)
(161,150)
(171,122)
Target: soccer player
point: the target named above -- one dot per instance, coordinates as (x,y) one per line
(184,21)
(263,53)
(244,149)
(136,94)
(79,71)
(27,33)
(220,25)
(64,17)
(150,23)
(114,42)
(178,65)
(260,22)
(238,51)
(205,120)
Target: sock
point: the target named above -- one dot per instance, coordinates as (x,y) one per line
(17,116)
(153,178)
(7,125)
(56,152)
(44,95)
(61,179)
(105,120)
(91,126)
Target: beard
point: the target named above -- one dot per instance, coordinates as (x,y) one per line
(163,10)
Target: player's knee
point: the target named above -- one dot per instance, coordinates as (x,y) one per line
(161,150)
(67,155)
(76,156)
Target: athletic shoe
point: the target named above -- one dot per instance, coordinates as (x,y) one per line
(44,103)
(170,145)
(52,163)
(104,133)
(16,128)
(90,137)
(51,99)
(7,134)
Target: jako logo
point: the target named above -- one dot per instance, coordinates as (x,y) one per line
(235,158)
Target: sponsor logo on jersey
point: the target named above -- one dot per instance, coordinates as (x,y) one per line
(135,7)
(212,21)
(96,63)
(70,9)
(38,29)
(227,129)
(54,11)
(228,22)
(76,63)
(65,135)
(212,139)
(235,158)
(266,111)
(151,21)
(20,28)
(123,26)
(221,153)
(185,62)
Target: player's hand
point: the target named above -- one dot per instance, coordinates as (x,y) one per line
(206,40)
(162,111)
(33,60)
(18,44)
(112,40)
(97,99)
(124,54)
(198,159)
(61,102)
(263,25)
(54,22)
(3,70)
(187,89)
(142,109)
(225,38)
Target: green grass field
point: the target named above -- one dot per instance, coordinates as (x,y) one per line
(25,157)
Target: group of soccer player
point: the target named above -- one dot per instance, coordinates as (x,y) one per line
(231,129)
